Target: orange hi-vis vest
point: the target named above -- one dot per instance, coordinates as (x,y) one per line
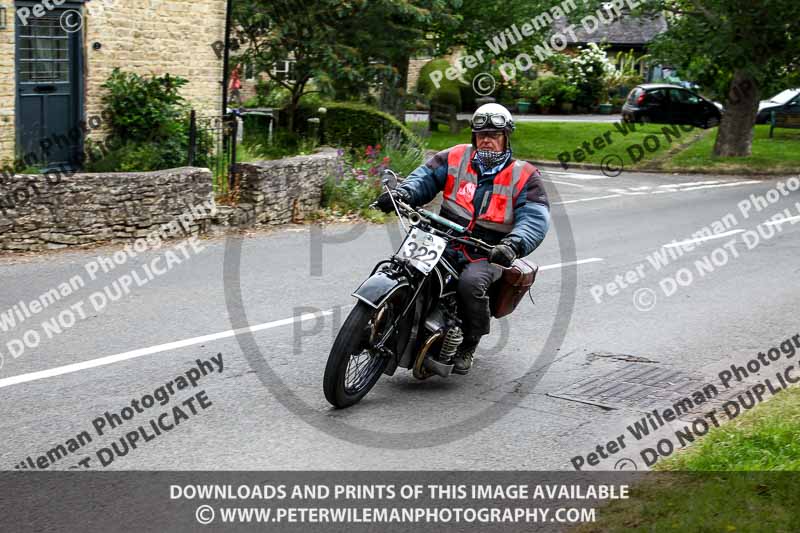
(497,219)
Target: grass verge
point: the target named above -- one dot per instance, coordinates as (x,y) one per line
(779,155)
(672,149)
(740,477)
(554,141)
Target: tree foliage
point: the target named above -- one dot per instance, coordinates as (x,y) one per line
(741,50)
(346,47)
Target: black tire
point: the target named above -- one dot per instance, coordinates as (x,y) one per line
(349,341)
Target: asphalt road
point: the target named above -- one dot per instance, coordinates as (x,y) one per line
(267,410)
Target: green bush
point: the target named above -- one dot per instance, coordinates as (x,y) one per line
(448,92)
(268,94)
(549,91)
(257,147)
(403,157)
(142,108)
(353,124)
(530,89)
(152,119)
(356,181)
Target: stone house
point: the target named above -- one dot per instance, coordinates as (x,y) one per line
(624,34)
(56,54)
(627,33)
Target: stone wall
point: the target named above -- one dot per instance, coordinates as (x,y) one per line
(284,190)
(40,212)
(414,67)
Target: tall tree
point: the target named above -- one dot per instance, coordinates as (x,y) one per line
(739,46)
(355,45)
(389,33)
(304,31)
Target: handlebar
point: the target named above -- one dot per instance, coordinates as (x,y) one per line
(443,221)
(433,217)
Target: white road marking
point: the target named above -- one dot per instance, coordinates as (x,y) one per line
(587,199)
(689,184)
(134,354)
(627,192)
(567,183)
(577,176)
(673,188)
(781,221)
(111,359)
(571,263)
(703,239)
(734,184)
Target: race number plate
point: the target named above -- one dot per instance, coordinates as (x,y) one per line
(422,250)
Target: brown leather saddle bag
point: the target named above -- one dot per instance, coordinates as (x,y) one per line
(508,291)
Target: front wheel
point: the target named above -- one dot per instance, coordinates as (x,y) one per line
(353,366)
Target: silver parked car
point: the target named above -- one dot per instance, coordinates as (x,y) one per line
(785,101)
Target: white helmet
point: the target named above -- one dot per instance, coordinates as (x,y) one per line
(492,117)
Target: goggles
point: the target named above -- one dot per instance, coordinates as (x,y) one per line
(490,121)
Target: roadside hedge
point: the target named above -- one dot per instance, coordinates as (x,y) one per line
(355,124)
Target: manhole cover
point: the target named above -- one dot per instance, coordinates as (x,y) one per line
(638,387)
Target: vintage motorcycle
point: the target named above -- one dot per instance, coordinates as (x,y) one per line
(407,310)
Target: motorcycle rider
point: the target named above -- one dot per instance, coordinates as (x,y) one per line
(500,199)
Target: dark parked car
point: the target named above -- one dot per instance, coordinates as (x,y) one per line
(670,104)
(787,101)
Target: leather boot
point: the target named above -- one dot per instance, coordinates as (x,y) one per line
(465,354)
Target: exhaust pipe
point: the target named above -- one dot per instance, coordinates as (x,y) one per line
(440,369)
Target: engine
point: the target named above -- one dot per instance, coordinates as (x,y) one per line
(443,322)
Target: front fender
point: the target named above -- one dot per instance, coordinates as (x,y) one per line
(378,288)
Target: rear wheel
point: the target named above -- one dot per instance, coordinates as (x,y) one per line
(354,366)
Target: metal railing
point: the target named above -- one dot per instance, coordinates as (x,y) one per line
(212,143)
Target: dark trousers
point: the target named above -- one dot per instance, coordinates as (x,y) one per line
(473,296)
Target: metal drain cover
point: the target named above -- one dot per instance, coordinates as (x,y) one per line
(638,387)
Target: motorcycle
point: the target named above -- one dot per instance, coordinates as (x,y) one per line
(406,315)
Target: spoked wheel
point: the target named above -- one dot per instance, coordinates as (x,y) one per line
(354,366)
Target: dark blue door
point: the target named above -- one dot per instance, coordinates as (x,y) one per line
(48,89)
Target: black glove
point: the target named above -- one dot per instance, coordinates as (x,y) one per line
(503,254)
(385,203)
